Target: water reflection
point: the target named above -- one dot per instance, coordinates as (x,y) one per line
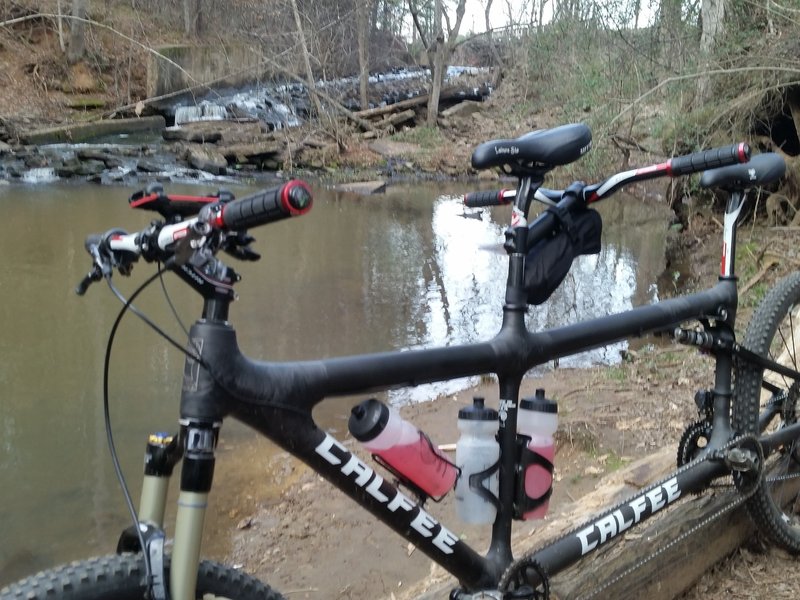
(358,274)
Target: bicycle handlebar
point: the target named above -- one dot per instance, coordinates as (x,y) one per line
(291,199)
(674,167)
(489,198)
(709,159)
(159,241)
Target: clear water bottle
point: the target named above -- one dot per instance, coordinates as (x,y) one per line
(477,451)
(538,419)
(402,447)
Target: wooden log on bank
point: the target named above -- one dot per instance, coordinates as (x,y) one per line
(446,94)
(81,132)
(672,572)
(396,119)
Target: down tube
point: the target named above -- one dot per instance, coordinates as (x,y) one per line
(596,533)
(298,434)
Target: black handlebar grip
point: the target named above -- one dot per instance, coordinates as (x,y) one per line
(487,198)
(709,159)
(291,199)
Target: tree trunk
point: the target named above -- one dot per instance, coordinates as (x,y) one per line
(61,43)
(669,27)
(312,88)
(712,14)
(77,37)
(435,60)
(437,77)
(191,10)
(363,10)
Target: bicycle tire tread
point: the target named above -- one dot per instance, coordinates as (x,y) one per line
(760,331)
(120,577)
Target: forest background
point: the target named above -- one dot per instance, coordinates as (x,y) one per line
(660,76)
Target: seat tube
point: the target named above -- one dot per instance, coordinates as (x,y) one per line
(200,441)
(500,546)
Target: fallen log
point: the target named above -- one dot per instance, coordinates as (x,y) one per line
(446,94)
(81,132)
(680,562)
(379,111)
(401,117)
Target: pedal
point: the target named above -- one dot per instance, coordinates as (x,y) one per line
(741,460)
(486,595)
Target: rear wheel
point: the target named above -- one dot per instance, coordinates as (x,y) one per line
(121,577)
(774,331)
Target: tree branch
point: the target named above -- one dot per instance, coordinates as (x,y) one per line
(417,25)
(711,72)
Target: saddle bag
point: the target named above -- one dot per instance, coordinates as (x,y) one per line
(549,261)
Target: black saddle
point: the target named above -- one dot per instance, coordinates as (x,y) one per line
(537,151)
(759,170)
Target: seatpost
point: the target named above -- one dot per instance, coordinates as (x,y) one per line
(732,210)
(517,242)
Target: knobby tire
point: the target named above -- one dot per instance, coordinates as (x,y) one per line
(774,331)
(121,577)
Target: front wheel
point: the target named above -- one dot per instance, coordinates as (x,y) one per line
(766,402)
(121,577)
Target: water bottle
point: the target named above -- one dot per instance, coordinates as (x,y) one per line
(477,450)
(407,451)
(537,418)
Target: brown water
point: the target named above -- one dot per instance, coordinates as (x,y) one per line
(357,274)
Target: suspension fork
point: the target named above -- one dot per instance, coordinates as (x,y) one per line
(201,419)
(200,442)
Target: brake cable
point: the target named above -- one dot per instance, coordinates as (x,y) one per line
(127,305)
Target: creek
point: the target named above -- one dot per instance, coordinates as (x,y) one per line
(358,274)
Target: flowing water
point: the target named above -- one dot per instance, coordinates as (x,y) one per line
(357,274)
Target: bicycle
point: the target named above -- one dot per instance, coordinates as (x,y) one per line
(735,435)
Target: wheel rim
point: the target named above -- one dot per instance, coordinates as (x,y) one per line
(782,469)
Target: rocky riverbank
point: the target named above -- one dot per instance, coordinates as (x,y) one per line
(230,148)
(235,143)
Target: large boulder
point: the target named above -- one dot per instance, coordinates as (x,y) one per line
(206,159)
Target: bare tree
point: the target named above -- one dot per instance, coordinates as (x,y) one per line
(77,36)
(312,89)
(191,16)
(498,74)
(712,13)
(669,32)
(437,47)
(363,11)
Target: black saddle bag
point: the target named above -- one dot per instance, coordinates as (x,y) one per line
(549,261)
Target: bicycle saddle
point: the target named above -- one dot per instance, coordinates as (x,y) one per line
(538,150)
(759,170)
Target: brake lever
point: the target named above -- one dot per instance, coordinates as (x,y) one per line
(238,246)
(96,274)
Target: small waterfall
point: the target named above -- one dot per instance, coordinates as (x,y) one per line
(205,111)
(39,175)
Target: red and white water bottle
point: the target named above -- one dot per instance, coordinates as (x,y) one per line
(537,418)
(404,448)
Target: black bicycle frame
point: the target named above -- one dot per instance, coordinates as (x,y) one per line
(277,400)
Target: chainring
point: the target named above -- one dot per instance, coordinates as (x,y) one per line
(517,583)
(694,439)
